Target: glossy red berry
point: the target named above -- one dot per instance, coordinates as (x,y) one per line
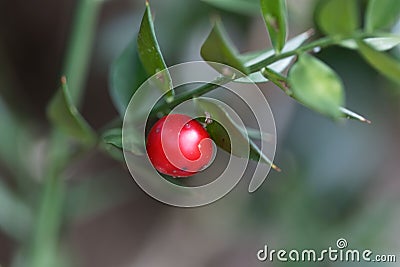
(179,146)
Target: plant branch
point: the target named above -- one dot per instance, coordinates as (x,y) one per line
(201,90)
(320,43)
(317,44)
(282,82)
(43,250)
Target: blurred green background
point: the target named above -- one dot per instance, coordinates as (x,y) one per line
(339,179)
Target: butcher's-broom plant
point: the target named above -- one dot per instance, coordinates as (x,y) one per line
(291,64)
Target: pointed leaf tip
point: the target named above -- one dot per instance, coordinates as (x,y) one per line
(63,80)
(276,168)
(352,115)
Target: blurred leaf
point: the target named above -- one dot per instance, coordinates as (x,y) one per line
(381,14)
(96,194)
(15,216)
(9,137)
(225,132)
(377,43)
(64,115)
(112,143)
(126,75)
(382,62)
(219,48)
(150,54)
(275,17)
(113,137)
(338,17)
(246,7)
(278,66)
(316,85)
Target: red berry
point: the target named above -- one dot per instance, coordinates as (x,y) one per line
(179,146)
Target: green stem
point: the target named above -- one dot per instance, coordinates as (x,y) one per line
(201,90)
(282,82)
(278,79)
(79,48)
(45,239)
(43,251)
(320,43)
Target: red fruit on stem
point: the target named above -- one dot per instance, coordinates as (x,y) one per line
(179,146)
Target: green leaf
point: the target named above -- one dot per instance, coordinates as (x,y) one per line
(219,48)
(382,62)
(278,66)
(150,54)
(112,143)
(220,136)
(283,83)
(382,43)
(225,132)
(126,75)
(245,7)
(316,85)
(19,156)
(381,14)
(256,134)
(275,17)
(15,216)
(64,115)
(12,135)
(338,17)
(113,137)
